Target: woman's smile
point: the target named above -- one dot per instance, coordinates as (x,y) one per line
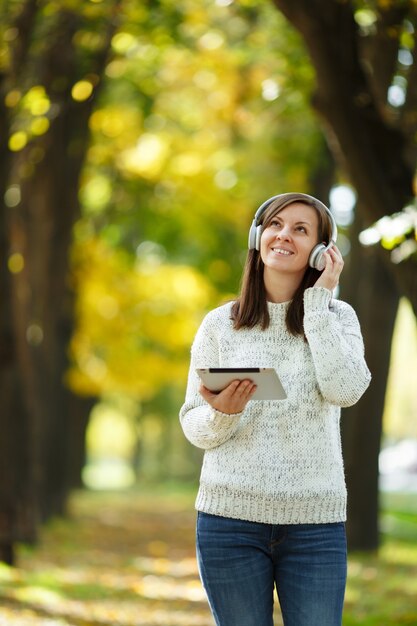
(288,238)
(282,251)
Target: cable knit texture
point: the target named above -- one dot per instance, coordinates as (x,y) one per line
(279,461)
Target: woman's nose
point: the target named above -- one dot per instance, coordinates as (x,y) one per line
(284,233)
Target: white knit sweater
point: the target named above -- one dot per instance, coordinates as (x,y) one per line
(279,461)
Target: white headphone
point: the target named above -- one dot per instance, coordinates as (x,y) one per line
(316,258)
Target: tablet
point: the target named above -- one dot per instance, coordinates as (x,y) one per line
(269,386)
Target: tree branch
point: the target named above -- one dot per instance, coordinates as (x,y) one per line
(380,52)
(373,151)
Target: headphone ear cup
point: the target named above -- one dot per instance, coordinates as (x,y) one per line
(258,237)
(316,259)
(254,238)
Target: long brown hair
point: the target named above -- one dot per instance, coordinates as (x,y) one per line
(251,307)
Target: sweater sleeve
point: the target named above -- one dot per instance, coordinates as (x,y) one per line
(335,340)
(203,426)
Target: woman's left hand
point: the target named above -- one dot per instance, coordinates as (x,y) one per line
(334,265)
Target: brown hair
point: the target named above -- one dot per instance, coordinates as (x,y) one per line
(251,307)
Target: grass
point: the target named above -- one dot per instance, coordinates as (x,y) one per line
(127,559)
(382,588)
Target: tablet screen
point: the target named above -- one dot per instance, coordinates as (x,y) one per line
(269,386)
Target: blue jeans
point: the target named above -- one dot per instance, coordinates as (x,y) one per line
(240,561)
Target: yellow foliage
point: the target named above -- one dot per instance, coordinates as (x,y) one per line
(401,400)
(192,127)
(82,90)
(15,263)
(147,158)
(18,141)
(36,100)
(118,124)
(40,126)
(135,321)
(12,98)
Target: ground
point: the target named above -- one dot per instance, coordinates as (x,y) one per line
(128,559)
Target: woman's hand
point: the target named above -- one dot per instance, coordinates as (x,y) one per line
(232,399)
(334,265)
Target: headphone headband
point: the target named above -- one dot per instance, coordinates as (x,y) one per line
(316,259)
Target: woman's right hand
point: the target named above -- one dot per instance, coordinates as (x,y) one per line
(232,399)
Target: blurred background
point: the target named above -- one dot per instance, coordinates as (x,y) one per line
(137,140)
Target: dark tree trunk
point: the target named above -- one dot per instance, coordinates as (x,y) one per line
(373,293)
(37,311)
(18,510)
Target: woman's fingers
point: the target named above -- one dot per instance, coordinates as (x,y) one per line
(336,257)
(333,268)
(239,388)
(232,399)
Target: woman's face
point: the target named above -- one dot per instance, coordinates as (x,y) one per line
(288,239)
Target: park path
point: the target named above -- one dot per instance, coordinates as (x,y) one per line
(119,559)
(128,559)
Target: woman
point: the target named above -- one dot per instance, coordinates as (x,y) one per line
(272,497)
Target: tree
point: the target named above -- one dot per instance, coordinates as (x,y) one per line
(366,98)
(52,61)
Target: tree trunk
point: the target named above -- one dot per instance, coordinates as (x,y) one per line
(18,511)
(37,312)
(374,295)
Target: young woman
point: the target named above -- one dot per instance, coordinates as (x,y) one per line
(272,497)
